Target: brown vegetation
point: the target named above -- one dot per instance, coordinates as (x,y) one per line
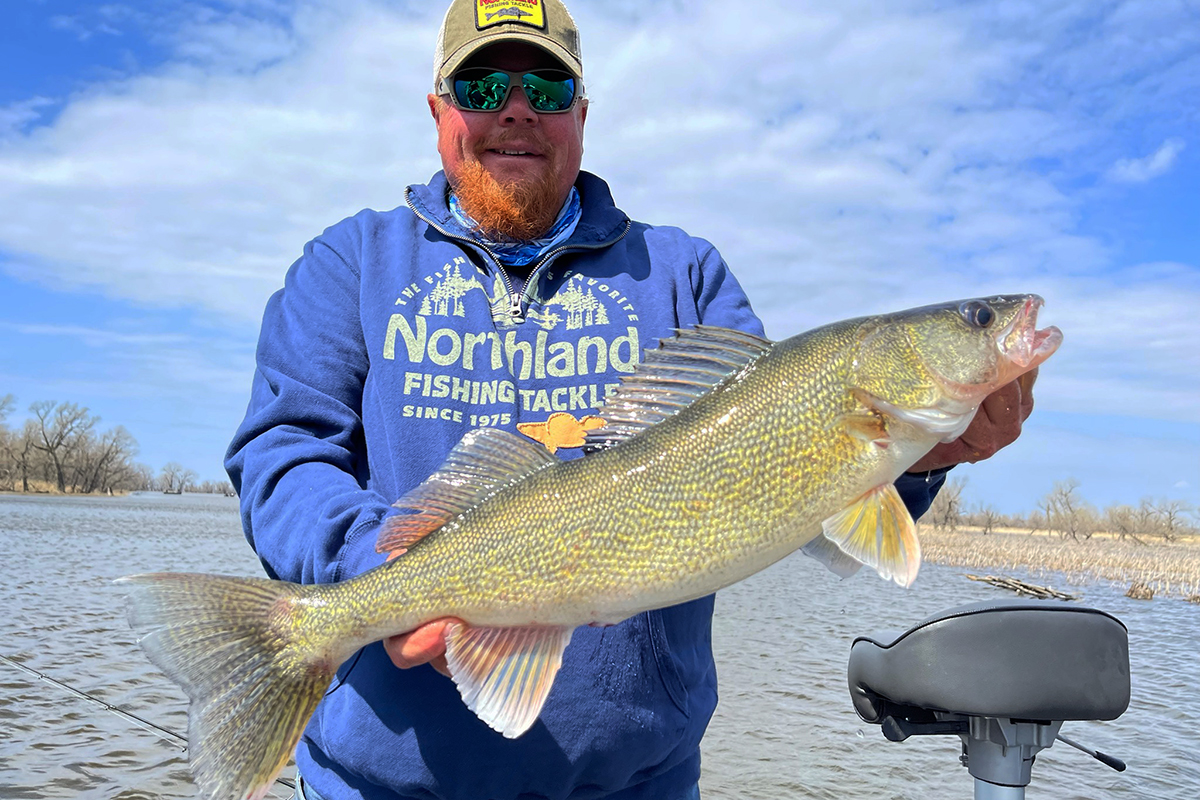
(1168,568)
(1153,547)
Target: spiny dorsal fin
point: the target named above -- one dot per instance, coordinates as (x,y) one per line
(684,368)
(484,460)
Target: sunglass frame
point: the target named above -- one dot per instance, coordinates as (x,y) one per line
(446,89)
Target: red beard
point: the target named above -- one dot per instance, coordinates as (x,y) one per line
(517,211)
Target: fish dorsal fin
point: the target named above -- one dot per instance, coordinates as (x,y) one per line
(684,368)
(483,461)
(505,674)
(877,530)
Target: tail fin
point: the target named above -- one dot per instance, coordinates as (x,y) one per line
(233,645)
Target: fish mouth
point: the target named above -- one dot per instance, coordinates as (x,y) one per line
(1022,346)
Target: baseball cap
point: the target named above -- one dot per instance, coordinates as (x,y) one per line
(471,25)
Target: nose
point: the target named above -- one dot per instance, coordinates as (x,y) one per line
(517,110)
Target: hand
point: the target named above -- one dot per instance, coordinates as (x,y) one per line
(997,424)
(423,645)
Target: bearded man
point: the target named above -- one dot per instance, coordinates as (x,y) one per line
(509,291)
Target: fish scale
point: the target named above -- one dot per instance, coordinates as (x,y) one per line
(722,454)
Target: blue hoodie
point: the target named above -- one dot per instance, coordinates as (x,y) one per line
(393,336)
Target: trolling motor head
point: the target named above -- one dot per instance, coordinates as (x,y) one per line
(1003,675)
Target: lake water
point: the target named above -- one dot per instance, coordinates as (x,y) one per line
(785,727)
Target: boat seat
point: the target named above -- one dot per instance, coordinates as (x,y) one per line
(1015,659)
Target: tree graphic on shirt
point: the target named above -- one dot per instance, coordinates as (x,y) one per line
(445,298)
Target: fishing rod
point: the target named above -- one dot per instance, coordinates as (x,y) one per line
(145,724)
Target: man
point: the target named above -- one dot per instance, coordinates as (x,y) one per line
(510,291)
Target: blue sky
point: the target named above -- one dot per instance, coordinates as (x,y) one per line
(163,163)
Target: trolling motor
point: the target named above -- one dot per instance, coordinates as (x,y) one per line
(1003,675)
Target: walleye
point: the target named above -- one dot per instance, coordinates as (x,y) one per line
(723,453)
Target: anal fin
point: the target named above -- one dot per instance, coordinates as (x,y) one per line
(504,674)
(877,530)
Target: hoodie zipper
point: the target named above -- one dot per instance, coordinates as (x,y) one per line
(515,309)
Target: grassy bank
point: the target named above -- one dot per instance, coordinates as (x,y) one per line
(1170,569)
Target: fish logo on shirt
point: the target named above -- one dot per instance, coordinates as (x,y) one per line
(561,430)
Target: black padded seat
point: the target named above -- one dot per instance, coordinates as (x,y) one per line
(1015,659)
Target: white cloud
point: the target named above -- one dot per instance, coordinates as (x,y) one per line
(16,117)
(846,158)
(1140,170)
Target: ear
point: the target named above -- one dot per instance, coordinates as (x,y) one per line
(435,107)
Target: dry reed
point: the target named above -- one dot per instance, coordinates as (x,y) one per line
(1170,569)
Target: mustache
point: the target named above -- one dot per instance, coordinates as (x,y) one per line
(502,142)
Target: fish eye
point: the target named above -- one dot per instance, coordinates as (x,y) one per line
(977,313)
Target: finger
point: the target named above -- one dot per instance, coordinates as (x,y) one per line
(1026,382)
(419,646)
(441,666)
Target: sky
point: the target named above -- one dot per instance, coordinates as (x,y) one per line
(163,163)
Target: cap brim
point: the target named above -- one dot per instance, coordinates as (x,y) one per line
(460,56)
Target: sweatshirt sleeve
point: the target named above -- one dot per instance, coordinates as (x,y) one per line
(719,297)
(298,461)
(918,490)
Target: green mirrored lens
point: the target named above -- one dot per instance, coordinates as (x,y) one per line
(481,91)
(553,92)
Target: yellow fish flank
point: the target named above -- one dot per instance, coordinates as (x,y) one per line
(722,454)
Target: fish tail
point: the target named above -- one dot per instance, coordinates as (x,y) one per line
(254,678)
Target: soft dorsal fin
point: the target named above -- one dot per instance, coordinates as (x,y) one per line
(685,367)
(484,460)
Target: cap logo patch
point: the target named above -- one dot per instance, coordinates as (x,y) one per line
(498,12)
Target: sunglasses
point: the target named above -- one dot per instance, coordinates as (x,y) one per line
(549,91)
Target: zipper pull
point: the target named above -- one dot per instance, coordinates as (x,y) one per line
(515,309)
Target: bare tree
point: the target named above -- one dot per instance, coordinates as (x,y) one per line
(61,428)
(1170,514)
(1067,512)
(107,464)
(987,517)
(176,478)
(1123,521)
(946,511)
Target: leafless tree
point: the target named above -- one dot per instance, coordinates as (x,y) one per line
(1123,521)
(987,517)
(61,428)
(106,465)
(1170,514)
(946,511)
(1067,512)
(176,478)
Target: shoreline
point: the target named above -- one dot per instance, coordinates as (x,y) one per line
(1170,569)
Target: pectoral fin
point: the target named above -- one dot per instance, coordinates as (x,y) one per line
(504,674)
(833,557)
(867,427)
(877,530)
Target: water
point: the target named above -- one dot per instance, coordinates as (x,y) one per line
(785,727)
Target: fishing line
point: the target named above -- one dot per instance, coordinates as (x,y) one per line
(144,724)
